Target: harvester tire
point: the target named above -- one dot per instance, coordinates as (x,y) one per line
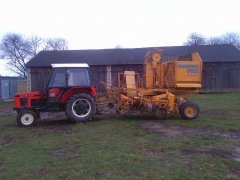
(26,118)
(123,107)
(81,107)
(189,110)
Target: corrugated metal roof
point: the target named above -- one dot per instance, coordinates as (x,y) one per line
(209,53)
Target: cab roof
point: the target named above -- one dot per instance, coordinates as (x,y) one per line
(64,65)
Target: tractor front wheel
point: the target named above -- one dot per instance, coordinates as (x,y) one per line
(26,118)
(189,110)
(81,107)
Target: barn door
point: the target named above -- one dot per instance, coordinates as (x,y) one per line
(5,89)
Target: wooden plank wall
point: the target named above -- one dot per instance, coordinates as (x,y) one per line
(221,77)
(98,74)
(40,77)
(217,77)
(120,69)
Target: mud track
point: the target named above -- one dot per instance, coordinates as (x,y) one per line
(177,131)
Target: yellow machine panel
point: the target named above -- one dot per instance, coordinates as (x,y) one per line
(189,71)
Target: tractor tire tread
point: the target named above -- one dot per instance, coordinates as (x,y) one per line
(22,112)
(73,98)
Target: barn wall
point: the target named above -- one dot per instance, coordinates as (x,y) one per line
(221,77)
(39,78)
(120,69)
(217,77)
(98,74)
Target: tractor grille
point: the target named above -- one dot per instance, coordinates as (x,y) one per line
(37,102)
(23,102)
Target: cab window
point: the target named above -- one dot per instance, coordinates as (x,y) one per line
(58,79)
(78,77)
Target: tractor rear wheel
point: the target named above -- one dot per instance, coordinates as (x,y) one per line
(26,118)
(81,107)
(189,110)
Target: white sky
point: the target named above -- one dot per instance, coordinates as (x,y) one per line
(89,24)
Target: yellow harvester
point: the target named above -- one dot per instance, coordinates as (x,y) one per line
(164,88)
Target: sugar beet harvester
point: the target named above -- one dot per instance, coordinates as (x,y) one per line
(164,89)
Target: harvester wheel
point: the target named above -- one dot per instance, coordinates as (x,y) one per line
(189,110)
(81,107)
(26,118)
(123,107)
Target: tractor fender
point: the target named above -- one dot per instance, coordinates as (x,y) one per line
(74,90)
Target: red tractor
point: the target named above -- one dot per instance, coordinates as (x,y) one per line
(69,89)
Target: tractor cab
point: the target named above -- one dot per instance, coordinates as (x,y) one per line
(69,75)
(69,89)
(64,77)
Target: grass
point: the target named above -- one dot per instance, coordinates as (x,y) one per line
(118,148)
(217,111)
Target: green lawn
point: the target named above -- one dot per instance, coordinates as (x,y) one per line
(135,147)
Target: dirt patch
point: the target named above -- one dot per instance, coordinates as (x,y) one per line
(154,153)
(44,169)
(74,152)
(237,154)
(37,172)
(56,122)
(62,126)
(235,172)
(99,175)
(215,113)
(159,127)
(5,111)
(59,128)
(52,116)
(177,131)
(57,153)
(213,153)
(1,166)
(5,140)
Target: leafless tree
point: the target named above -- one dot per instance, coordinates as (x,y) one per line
(232,38)
(56,44)
(118,46)
(195,39)
(215,40)
(18,49)
(228,38)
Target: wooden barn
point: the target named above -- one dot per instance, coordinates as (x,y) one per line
(221,65)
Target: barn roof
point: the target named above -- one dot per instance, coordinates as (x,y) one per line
(209,53)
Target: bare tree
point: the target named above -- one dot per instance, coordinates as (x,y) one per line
(118,46)
(18,50)
(36,45)
(15,48)
(228,38)
(195,39)
(232,38)
(56,44)
(215,40)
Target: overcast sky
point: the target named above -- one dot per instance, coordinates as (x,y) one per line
(88,24)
